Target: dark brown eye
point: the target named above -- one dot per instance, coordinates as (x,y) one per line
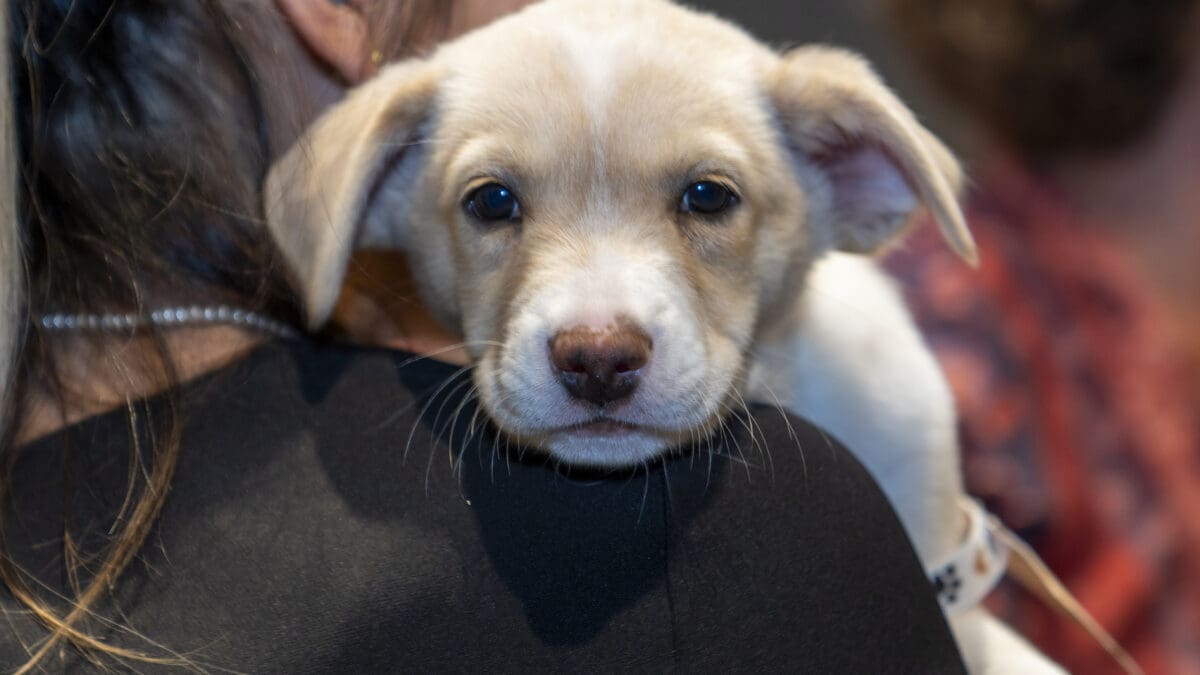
(707,197)
(492,203)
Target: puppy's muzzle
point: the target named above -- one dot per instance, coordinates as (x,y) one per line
(600,366)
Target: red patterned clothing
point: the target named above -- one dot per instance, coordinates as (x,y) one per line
(1080,426)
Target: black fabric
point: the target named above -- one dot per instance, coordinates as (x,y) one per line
(336,510)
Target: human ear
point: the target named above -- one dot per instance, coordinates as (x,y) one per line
(335,32)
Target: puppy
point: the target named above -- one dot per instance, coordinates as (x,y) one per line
(637,216)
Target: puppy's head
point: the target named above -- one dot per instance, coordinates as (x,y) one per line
(608,201)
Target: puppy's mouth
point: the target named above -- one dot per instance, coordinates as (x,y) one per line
(600,426)
(609,428)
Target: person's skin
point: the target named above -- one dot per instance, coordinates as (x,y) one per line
(306,54)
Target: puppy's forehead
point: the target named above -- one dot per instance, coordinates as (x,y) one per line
(627,80)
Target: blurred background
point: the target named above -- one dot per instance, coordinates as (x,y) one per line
(856,24)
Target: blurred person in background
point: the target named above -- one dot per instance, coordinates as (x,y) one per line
(1074,349)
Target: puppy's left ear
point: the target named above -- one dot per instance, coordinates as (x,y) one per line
(880,162)
(316,195)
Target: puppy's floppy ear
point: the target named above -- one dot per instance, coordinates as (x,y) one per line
(881,163)
(316,195)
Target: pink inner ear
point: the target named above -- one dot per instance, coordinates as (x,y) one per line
(868,186)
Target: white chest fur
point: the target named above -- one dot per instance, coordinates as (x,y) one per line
(850,359)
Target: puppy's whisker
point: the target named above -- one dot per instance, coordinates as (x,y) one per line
(718,438)
(443,430)
(450,396)
(402,412)
(737,447)
(465,344)
(739,458)
(693,440)
(425,408)
(499,436)
(791,430)
(708,455)
(666,479)
(476,418)
(761,443)
(757,438)
(496,438)
(645,491)
(468,397)
(473,429)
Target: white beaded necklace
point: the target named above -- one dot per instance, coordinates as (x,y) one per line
(169,317)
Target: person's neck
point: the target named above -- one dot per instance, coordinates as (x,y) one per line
(97,373)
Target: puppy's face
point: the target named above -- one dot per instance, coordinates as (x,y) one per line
(608,203)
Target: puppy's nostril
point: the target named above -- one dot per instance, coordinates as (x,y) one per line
(600,366)
(575,364)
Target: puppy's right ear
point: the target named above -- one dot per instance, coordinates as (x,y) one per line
(316,195)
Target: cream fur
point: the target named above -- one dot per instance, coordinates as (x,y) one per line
(598,115)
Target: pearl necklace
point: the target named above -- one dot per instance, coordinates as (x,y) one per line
(169,317)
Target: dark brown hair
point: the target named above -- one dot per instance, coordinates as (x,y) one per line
(1052,77)
(142,146)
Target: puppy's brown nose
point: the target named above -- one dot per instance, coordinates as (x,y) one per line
(600,366)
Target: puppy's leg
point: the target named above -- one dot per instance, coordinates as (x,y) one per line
(991,648)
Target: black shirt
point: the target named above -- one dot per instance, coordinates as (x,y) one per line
(339,509)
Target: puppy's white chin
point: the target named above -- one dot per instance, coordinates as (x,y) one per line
(609,448)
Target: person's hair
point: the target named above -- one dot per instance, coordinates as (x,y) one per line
(11,274)
(1052,78)
(135,147)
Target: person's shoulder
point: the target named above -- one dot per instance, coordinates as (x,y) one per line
(311,370)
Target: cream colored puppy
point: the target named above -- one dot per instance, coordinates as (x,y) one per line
(637,216)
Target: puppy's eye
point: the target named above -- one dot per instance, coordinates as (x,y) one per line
(491,203)
(706,197)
